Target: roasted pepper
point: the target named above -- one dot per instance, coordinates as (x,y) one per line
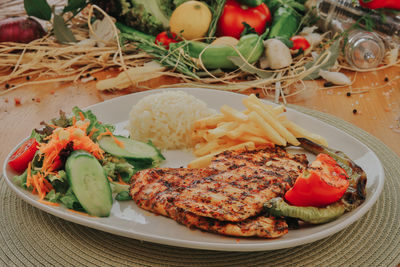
(250,46)
(323,183)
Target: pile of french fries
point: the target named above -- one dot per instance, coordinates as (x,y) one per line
(259,125)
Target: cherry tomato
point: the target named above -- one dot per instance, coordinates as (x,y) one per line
(231,21)
(165,38)
(299,42)
(20,159)
(323,183)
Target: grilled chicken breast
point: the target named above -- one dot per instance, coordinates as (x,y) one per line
(226,198)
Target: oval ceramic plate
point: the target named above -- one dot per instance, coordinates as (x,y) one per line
(128,220)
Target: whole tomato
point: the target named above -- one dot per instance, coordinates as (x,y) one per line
(165,38)
(234,14)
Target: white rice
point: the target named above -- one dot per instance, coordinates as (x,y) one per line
(165,118)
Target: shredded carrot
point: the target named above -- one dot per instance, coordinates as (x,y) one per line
(92,132)
(48,185)
(81,116)
(121,181)
(48,203)
(79,212)
(107,132)
(54,126)
(73,120)
(109,179)
(29,175)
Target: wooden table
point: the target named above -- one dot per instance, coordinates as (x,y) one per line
(377,110)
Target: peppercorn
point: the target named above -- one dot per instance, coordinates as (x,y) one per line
(95,79)
(348,94)
(328,84)
(354,111)
(257,95)
(88,75)
(7,85)
(28,78)
(386,79)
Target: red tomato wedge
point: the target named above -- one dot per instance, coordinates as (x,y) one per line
(323,183)
(234,14)
(23,155)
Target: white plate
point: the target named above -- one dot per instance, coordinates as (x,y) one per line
(128,220)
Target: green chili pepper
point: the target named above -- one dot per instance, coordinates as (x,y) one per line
(251,3)
(216,56)
(285,23)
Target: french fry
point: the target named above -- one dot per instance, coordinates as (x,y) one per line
(222,129)
(273,121)
(257,140)
(279,110)
(209,122)
(233,114)
(204,148)
(204,161)
(267,129)
(299,131)
(248,127)
(199,135)
(275,110)
(259,125)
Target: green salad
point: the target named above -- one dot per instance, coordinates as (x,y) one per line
(79,163)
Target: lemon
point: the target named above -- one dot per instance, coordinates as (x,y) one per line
(191,20)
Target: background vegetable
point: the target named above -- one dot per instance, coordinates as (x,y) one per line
(165,38)
(286,17)
(217,56)
(150,17)
(20,30)
(376,4)
(234,15)
(251,3)
(299,42)
(191,20)
(277,54)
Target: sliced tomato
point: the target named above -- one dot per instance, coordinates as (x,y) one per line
(323,183)
(299,42)
(165,38)
(23,155)
(234,15)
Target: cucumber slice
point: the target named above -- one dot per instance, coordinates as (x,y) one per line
(89,183)
(132,150)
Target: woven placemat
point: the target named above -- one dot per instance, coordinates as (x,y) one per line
(31,237)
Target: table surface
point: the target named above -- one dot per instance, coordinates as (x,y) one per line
(376,110)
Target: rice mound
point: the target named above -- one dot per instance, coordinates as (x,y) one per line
(165,118)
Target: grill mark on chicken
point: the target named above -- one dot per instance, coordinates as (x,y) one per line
(232,195)
(225,198)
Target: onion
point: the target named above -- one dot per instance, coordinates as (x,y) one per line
(20,30)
